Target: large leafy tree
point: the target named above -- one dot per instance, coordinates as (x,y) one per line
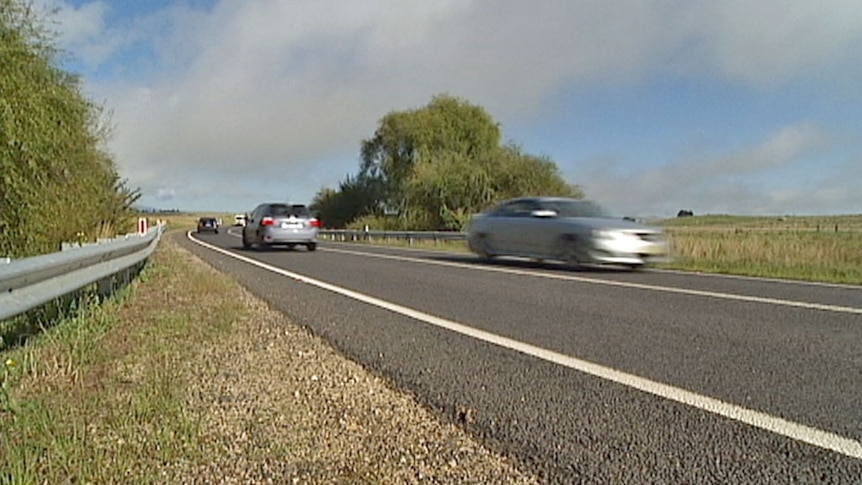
(57,181)
(431,168)
(444,127)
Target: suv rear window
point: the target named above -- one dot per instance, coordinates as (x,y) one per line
(289,210)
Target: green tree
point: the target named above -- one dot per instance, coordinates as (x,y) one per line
(446,125)
(432,168)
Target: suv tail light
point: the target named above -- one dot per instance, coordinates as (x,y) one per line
(315,223)
(267,221)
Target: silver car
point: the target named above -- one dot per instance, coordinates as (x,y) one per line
(280,224)
(569,230)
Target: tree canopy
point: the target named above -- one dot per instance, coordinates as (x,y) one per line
(57,180)
(431,168)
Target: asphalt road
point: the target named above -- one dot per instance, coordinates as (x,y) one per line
(596,375)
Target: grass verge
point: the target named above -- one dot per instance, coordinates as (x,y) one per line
(186,378)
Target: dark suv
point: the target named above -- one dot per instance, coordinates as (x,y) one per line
(207,224)
(283,224)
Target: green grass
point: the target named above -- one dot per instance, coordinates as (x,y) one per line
(100,397)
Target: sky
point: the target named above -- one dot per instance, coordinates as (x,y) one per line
(650,106)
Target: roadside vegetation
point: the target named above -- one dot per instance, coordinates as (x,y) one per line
(825,248)
(58,183)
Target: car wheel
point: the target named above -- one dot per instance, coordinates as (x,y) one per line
(482,246)
(311,246)
(245,243)
(569,252)
(259,244)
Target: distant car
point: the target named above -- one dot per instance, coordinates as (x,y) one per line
(208,224)
(280,224)
(570,230)
(239,220)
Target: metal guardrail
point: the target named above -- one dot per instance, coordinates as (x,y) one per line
(370,236)
(30,282)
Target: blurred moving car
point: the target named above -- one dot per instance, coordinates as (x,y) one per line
(208,224)
(280,224)
(239,220)
(570,230)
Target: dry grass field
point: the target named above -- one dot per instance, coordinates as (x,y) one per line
(827,249)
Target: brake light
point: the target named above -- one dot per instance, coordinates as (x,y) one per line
(315,223)
(267,221)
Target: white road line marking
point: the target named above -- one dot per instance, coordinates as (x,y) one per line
(799,432)
(624,284)
(766,279)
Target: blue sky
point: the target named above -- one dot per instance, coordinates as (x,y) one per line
(651,106)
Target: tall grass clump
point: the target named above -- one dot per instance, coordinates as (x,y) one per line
(58,181)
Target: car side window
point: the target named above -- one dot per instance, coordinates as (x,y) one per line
(255,215)
(504,210)
(521,208)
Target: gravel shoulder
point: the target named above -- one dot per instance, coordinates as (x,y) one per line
(276,404)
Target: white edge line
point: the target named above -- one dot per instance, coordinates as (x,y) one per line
(765,279)
(799,432)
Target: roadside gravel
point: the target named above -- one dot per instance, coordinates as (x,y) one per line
(278,405)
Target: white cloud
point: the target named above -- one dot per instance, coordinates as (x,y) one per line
(767,42)
(83,30)
(251,87)
(718,184)
(782,147)
(77,25)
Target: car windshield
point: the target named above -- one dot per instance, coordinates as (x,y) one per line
(574,208)
(289,210)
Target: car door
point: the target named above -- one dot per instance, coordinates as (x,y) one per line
(545,229)
(251,223)
(512,227)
